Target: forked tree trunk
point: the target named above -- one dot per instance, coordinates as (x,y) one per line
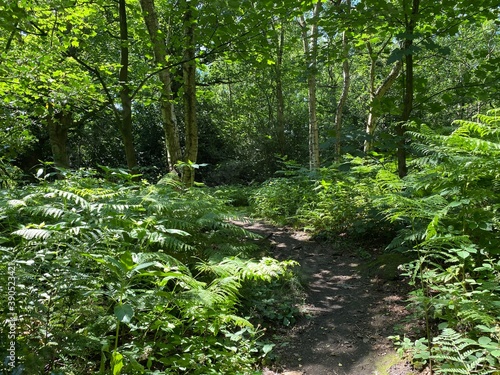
(377,94)
(169,120)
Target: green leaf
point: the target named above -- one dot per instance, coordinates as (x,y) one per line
(124,313)
(395,55)
(267,348)
(127,260)
(484,340)
(177,231)
(116,363)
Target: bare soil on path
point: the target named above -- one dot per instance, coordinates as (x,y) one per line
(348,313)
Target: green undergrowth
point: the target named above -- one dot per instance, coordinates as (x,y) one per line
(444,215)
(450,211)
(332,200)
(130,278)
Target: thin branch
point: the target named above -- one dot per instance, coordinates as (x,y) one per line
(490,83)
(100,79)
(179,63)
(11,37)
(218,82)
(90,114)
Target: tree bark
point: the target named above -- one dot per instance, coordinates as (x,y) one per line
(58,126)
(377,94)
(189,97)
(280,99)
(345,91)
(411,21)
(169,120)
(310,41)
(126,101)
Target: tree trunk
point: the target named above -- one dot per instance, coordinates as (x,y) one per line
(169,120)
(376,95)
(126,100)
(411,21)
(58,126)
(311,51)
(189,74)
(345,91)
(280,100)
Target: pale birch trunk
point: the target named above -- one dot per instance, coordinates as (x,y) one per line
(345,93)
(280,111)
(310,40)
(169,120)
(346,83)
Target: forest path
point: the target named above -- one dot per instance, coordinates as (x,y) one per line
(348,315)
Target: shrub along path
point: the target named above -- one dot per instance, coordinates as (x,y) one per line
(348,313)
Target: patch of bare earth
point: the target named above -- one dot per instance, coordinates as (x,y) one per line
(348,315)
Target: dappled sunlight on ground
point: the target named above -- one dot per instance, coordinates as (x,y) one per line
(347,315)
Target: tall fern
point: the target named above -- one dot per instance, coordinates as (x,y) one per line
(117,277)
(450,205)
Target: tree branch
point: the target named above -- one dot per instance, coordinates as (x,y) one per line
(100,79)
(215,50)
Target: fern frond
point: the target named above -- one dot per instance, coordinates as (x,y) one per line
(468,128)
(16,203)
(235,319)
(168,242)
(70,196)
(48,211)
(226,288)
(451,370)
(33,233)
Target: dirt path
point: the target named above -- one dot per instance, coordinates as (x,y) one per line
(348,315)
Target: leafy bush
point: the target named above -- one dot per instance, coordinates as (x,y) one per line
(280,198)
(234,195)
(332,199)
(273,303)
(119,277)
(9,175)
(450,207)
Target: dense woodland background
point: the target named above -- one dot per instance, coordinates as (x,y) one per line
(370,117)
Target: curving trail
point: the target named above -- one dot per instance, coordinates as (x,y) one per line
(349,315)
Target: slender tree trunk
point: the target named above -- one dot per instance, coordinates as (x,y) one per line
(189,74)
(377,94)
(169,120)
(411,21)
(311,51)
(125,98)
(345,91)
(280,99)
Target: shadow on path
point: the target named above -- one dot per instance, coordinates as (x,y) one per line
(349,315)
